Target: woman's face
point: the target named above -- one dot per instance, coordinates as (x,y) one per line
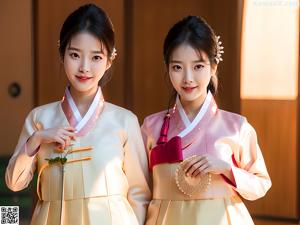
(85,62)
(190,72)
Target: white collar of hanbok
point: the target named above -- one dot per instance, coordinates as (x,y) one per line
(82,124)
(190,125)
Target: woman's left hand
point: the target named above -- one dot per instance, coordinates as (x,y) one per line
(207,164)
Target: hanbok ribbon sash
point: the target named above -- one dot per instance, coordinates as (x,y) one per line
(85,123)
(171,151)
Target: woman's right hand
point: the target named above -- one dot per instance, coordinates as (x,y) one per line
(60,135)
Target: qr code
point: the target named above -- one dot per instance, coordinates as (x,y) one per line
(9,215)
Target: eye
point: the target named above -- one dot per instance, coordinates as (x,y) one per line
(198,67)
(97,58)
(74,55)
(176,68)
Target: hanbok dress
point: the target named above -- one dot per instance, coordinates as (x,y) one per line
(105,178)
(222,134)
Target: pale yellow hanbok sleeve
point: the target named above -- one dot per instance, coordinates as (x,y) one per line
(251,177)
(148,143)
(21,166)
(147,138)
(136,170)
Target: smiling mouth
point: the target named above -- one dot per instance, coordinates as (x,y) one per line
(83,78)
(188,89)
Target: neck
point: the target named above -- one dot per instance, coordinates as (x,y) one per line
(83,100)
(192,108)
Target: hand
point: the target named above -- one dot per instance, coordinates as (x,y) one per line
(60,135)
(206,164)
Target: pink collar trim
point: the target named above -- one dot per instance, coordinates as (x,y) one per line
(85,123)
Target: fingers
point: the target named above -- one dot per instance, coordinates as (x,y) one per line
(64,136)
(202,170)
(60,142)
(208,169)
(190,163)
(67,140)
(208,164)
(68,128)
(71,132)
(60,135)
(193,168)
(67,133)
(194,165)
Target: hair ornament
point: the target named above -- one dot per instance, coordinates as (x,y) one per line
(220,51)
(113,54)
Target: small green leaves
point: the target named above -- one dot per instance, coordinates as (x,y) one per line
(61,160)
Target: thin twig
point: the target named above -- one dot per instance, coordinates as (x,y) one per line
(62,192)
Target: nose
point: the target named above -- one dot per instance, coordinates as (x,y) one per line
(84,66)
(188,76)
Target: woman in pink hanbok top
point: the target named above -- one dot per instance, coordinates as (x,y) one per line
(89,154)
(203,159)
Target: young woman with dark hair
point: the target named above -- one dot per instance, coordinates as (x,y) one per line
(212,157)
(89,154)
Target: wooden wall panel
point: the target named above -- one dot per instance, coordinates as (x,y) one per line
(151,22)
(49,18)
(16,62)
(275,122)
(273,222)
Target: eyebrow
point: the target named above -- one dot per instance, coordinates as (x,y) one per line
(78,50)
(195,61)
